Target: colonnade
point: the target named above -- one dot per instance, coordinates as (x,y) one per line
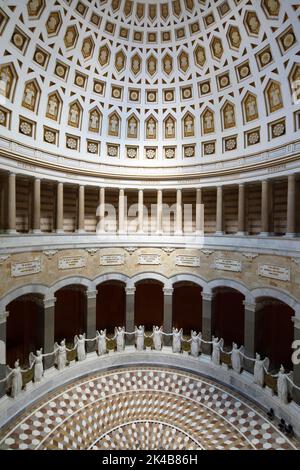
(291,222)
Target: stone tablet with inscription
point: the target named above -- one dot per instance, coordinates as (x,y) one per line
(26,268)
(274,272)
(223,264)
(185,260)
(71,262)
(149,259)
(112,260)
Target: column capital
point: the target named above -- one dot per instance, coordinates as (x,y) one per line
(91,294)
(296,321)
(168,290)
(208,296)
(3,316)
(130,290)
(49,302)
(249,306)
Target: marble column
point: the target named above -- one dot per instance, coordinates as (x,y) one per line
(159,211)
(60,208)
(199,213)
(3,320)
(178,230)
(296,371)
(46,329)
(250,326)
(121,211)
(141,211)
(36,206)
(129,322)
(90,318)
(81,210)
(291,207)
(168,314)
(102,210)
(11,200)
(265,208)
(241,211)
(219,215)
(207,320)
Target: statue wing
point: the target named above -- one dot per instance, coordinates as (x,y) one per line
(104,331)
(75,340)
(221,343)
(266,363)
(31,359)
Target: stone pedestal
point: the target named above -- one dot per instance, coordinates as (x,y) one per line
(129,326)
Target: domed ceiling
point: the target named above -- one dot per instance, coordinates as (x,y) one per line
(148,82)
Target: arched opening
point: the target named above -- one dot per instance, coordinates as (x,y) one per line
(228,315)
(70,308)
(187,306)
(111,305)
(275,332)
(23,329)
(149,304)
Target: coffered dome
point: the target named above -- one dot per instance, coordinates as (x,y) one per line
(150,83)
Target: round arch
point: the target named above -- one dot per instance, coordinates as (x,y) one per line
(272,292)
(71,281)
(148,276)
(39,289)
(235,285)
(199,281)
(110,277)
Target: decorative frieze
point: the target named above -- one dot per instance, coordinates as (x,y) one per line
(207,252)
(112,260)
(50,253)
(131,249)
(168,250)
(71,262)
(154,259)
(91,251)
(223,264)
(274,272)
(3,258)
(250,256)
(186,260)
(26,268)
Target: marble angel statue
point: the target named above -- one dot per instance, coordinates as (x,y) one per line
(195,343)
(15,381)
(237,358)
(36,361)
(61,354)
(284,386)
(101,342)
(139,337)
(216,352)
(157,338)
(177,339)
(260,366)
(79,342)
(120,338)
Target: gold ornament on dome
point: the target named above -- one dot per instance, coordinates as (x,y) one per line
(53,107)
(183,61)
(234,37)
(152,12)
(140,10)
(30,96)
(250,106)
(252,23)
(208,124)
(115,4)
(127,7)
(7,77)
(176,7)
(200,56)
(35,8)
(136,64)
(120,61)
(87,48)
(188,126)
(71,36)
(53,23)
(272,7)
(189,4)
(74,115)
(217,48)
(274,97)
(170,128)
(229,116)
(104,54)
(114,125)
(167,64)
(152,65)
(132,127)
(164,10)
(94,120)
(151,128)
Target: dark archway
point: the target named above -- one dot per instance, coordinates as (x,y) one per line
(187,306)
(111,305)
(228,315)
(70,308)
(275,332)
(149,304)
(23,329)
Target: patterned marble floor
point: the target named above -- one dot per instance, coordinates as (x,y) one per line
(143,408)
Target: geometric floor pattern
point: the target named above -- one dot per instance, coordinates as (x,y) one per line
(151,408)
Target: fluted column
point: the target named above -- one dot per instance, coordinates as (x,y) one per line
(90,317)
(101,210)
(129,322)
(121,211)
(219,215)
(36,206)
(178,212)
(291,207)
(141,211)
(265,208)
(81,210)
(207,320)
(159,211)
(241,211)
(250,325)
(11,212)
(168,314)
(296,374)
(60,208)
(3,320)
(199,213)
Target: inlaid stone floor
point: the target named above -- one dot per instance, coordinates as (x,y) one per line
(143,408)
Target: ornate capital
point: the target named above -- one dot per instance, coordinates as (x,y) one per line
(208,296)
(91,294)
(130,290)
(3,316)
(249,306)
(296,321)
(49,302)
(168,290)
